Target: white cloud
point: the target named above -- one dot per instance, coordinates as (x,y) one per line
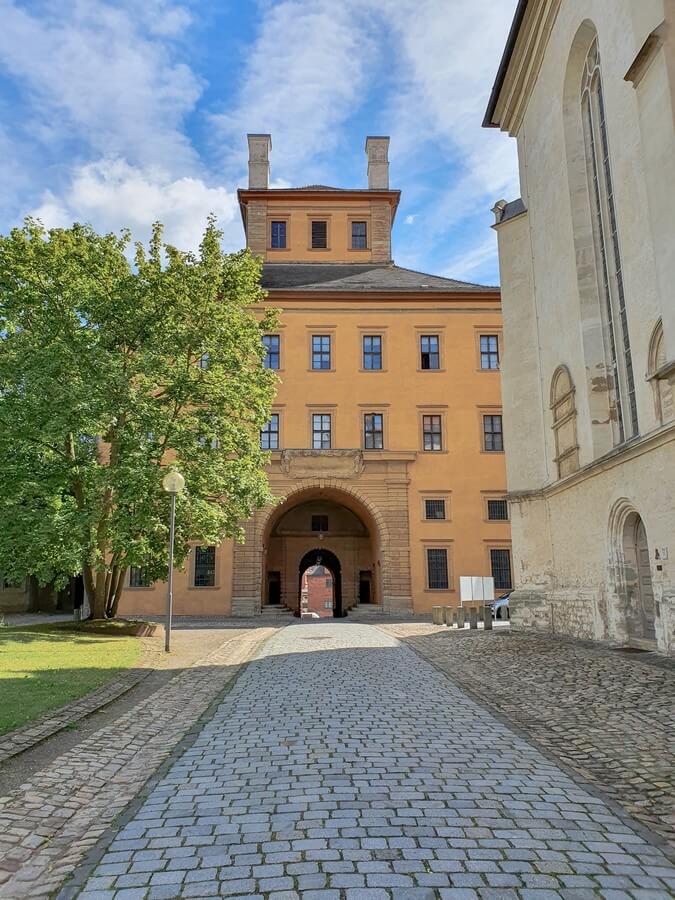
(104,73)
(410,219)
(304,76)
(467,264)
(111,193)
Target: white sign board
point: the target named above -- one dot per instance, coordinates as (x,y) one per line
(476,588)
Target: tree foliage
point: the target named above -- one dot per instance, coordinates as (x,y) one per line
(109,370)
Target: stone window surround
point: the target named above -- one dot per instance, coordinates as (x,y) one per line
(446,545)
(278,217)
(379,409)
(495,495)
(374,331)
(492,331)
(489,410)
(446,496)
(191,586)
(433,331)
(433,410)
(359,218)
(321,331)
(319,217)
(557,403)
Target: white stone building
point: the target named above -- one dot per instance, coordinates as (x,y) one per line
(587,255)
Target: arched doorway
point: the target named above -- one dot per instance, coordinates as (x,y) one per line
(317,561)
(637,579)
(334,524)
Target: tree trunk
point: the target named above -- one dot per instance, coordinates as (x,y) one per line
(117,586)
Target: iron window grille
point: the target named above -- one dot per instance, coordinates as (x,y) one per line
(493,437)
(269,434)
(434,509)
(500,561)
(205,566)
(372,351)
(430,357)
(319,523)
(272,356)
(278,235)
(489,351)
(321,431)
(319,234)
(359,236)
(138,577)
(373,431)
(431,433)
(498,510)
(321,351)
(437,569)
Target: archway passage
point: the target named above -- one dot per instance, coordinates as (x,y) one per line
(640,606)
(323,527)
(320,585)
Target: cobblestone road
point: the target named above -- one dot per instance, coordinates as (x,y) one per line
(608,714)
(342,765)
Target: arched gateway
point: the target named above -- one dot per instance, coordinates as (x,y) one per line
(331,516)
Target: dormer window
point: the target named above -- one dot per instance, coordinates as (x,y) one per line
(319,234)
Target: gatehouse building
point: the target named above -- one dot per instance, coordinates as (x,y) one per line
(386,438)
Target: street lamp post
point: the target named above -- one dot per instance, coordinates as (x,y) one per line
(173,483)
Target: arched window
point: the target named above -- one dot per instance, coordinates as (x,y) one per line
(663,393)
(621,383)
(564,422)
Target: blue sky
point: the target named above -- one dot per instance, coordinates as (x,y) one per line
(120,113)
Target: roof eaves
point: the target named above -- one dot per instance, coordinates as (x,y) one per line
(488,120)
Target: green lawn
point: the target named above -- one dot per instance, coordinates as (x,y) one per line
(43,667)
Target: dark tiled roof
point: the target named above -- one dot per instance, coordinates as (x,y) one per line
(348,277)
(512,209)
(318,187)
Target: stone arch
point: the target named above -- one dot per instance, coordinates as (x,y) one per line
(631,574)
(564,412)
(391,561)
(595,313)
(664,407)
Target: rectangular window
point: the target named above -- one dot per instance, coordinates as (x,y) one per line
(359,236)
(373,435)
(138,577)
(319,234)
(321,431)
(203,361)
(431,433)
(269,434)
(498,510)
(437,569)
(321,351)
(272,357)
(319,523)
(205,566)
(372,351)
(278,235)
(434,509)
(493,438)
(429,353)
(500,560)
(489,351)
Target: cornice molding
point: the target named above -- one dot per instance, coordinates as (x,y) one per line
(524,64)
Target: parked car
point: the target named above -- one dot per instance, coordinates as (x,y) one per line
(500,607)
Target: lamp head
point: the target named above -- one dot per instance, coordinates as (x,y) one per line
(173,482)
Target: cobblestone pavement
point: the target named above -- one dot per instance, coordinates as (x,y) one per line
(610,715)
(343,766)
(49,823)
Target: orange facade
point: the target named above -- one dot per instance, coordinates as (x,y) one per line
(386,443)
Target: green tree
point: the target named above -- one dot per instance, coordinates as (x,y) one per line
(107,371)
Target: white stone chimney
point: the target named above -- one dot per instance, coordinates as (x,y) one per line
(377,149)
(259,146)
